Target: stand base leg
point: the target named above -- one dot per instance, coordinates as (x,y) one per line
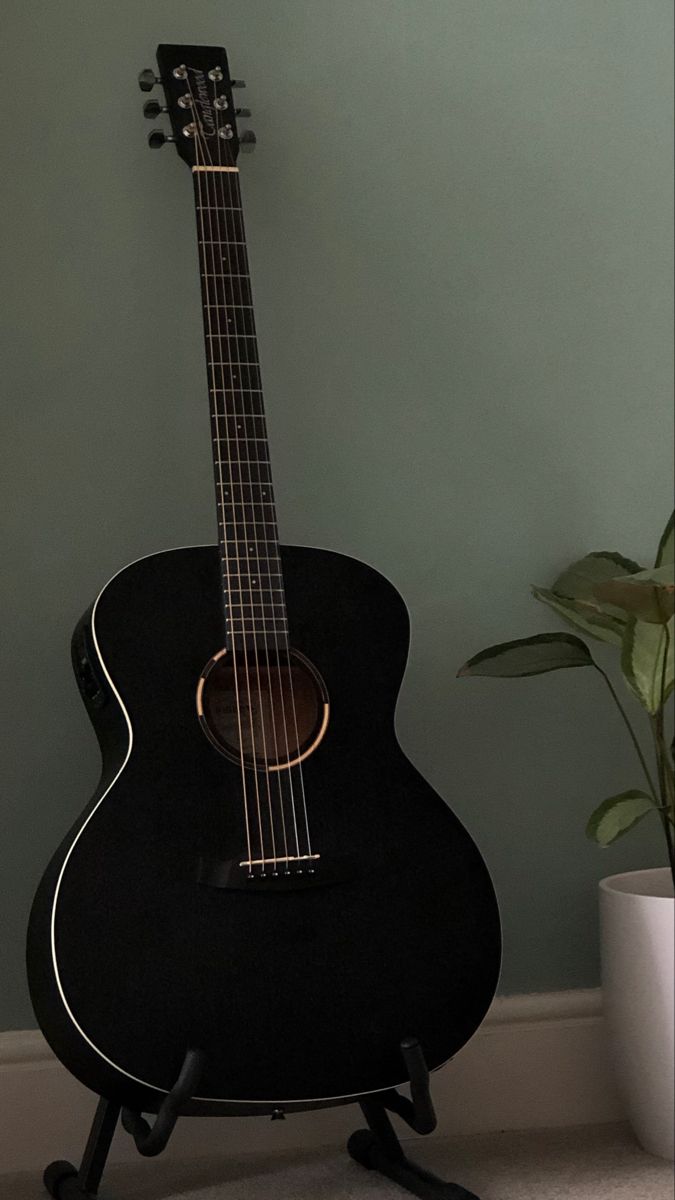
(63,1181)
(378,1149)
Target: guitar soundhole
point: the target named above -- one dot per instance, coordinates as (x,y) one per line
(270,710)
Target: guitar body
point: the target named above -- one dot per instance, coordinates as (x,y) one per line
(299,993)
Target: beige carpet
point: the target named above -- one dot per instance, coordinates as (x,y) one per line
(598,1163)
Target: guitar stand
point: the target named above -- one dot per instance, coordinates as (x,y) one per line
(376,1148)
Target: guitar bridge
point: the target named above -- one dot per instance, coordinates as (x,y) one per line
(234,875)
(283,862)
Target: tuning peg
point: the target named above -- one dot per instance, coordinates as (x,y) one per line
(152,109)
(237,83)
(242,112)
(247,141)
(157,138)
(147,80)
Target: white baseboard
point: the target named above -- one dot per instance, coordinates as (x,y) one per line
(537,1061)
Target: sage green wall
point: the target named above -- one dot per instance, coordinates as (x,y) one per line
(458,215)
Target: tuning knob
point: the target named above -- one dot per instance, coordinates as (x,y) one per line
(157,138)
(242,112)
(147,80)
(152,109)
(247,141)
(237,83)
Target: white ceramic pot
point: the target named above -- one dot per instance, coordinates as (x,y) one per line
(637,938)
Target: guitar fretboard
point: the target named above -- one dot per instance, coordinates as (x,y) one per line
(253,591)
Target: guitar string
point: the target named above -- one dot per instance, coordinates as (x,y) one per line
(235,183)
(273,672)
(219,276)
(298,767)
(200,145)
(292,690)
(290,676)
(220,490)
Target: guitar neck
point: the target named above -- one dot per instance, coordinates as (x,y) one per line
(255,609)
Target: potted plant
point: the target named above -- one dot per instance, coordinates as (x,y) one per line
(617,601)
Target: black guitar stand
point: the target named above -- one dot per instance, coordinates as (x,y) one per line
(376,1148)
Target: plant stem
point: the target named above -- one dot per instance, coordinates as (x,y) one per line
(663,763)
(666,805)
(633,737)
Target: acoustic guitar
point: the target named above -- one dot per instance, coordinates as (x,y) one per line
(261,873)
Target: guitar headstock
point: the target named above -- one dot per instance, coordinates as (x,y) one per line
(198,100)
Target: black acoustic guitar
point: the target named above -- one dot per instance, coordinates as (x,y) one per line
(261,874)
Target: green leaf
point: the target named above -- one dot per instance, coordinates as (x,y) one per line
(649,595)
(529,656)
(643,654)
(591,618)
(666,551)
(616,815)
(579,580)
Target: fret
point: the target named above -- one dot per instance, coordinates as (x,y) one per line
(255,608)
(273,610)
(263,613)
(254,511)
(247,504)
(264,622)
(241,437)
(229,424)
(243,473)
(266,574)
(269,633)
(216,234)
(217,333)
(218,208)
(248,548)
(256,623)
(243,480)
(222,420)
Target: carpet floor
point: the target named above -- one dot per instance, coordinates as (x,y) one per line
(597,1163)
